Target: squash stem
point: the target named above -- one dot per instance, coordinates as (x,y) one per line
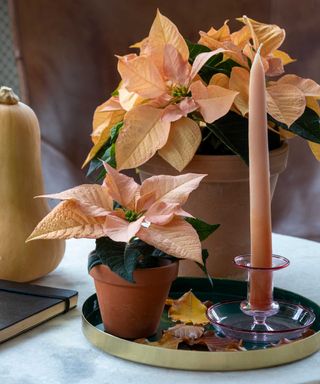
(7,96)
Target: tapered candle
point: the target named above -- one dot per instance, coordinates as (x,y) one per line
(260,202)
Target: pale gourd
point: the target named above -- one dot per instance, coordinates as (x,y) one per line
(21,180)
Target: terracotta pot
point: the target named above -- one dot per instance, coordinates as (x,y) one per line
(133,310)
(222,198)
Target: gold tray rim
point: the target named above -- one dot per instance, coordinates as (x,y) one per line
(200,360)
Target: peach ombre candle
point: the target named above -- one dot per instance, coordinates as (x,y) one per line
(260,202)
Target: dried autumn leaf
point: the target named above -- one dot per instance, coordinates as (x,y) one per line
(285,103)
(308,333)
(143,133)
(214,101)
(187,333)
(183,142)
(188,309)
(167,341)
(208,303)
(285,341)
(176,238)
(219,344)
(169,301)
(67,221)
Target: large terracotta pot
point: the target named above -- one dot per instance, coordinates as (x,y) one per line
(222,198)
(133,310)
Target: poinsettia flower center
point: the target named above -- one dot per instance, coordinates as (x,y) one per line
(179,91)
(131,215)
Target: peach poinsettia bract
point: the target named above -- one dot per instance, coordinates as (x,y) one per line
(151,212)
(158,91)
(175,96)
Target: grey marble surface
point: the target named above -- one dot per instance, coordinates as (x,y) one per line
(57,352)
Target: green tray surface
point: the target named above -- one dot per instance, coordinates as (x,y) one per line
(222,290)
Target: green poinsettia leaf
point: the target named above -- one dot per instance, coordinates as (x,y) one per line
(122,258)
(148,255)
(93,260)
(203,229)
(232,131)
(131,256)
(158,253)
(115,92)
(226,67)
(214,65)
(115,132)
(195,50)
(144,248)
(205,255)
(111,254)
(210,67)
(106,154)
(307,126)
(93,166)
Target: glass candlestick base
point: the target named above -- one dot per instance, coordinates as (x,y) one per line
(260,318)
(260,303)
(290,322)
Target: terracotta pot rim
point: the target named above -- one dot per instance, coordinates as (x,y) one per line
(219,169)
(273,153)
(104,274)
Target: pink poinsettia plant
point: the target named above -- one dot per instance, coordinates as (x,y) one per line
(134,224)
(178,98)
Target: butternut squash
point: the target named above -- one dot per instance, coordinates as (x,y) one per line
(21,180)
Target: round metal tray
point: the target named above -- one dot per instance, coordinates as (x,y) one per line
(224,290)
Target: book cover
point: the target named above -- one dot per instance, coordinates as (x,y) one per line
(24,306)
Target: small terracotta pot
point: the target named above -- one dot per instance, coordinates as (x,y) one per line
(133,310)
(222,198)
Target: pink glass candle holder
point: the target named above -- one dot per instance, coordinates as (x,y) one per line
(260,303)
(259,318)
